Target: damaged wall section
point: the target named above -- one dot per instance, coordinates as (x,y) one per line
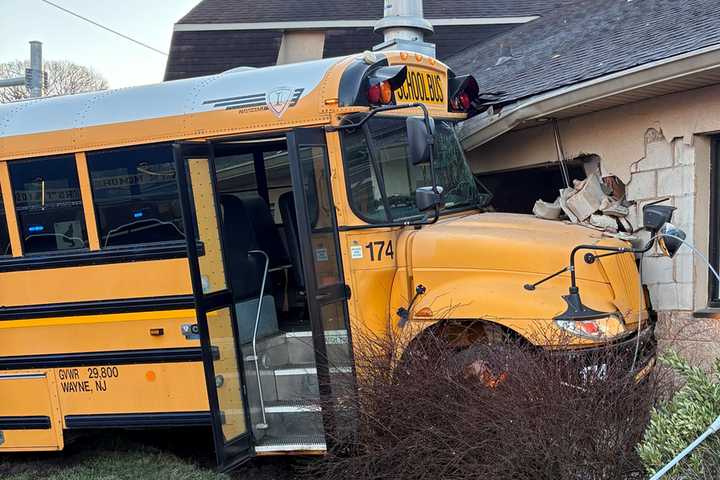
(658,148)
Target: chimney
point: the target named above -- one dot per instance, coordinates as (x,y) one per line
(404,28)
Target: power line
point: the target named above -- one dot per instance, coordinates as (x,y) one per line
(104,27)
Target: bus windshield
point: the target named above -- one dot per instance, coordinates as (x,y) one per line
(382,180)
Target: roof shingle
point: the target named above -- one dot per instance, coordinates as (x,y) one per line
(586,40)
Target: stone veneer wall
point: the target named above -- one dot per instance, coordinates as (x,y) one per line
(677,286)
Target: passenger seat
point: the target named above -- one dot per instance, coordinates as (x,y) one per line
(286,203)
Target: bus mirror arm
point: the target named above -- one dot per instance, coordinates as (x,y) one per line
(576,310)
(375,111)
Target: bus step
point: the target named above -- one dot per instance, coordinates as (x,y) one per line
(291,407)
(300,347)
(293,418)
(300,382)
(291,443)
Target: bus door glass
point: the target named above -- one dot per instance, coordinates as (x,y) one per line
(217,327)
(327,293)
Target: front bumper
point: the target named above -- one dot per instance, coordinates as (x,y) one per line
(619,358)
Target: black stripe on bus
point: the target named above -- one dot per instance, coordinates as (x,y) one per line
(97,307)
(25,423)
(137,420)
(117,357)
(81,258)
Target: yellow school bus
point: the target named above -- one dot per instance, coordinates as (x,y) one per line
(200,252)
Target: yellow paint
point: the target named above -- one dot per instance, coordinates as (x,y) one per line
(177,387)
(97,282)
(10,214)
(87,319)
(31,396)
(423,85)
(88,204)
(227,374)
(208,227)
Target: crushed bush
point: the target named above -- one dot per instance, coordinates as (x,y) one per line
(498,411)
(676,423)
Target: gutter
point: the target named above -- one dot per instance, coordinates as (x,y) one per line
(481,129)
(324,24)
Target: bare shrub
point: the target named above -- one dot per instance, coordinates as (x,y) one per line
(495,411)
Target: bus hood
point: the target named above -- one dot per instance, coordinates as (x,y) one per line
(506,242)
(514,249)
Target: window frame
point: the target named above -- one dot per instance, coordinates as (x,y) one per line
(16,218)
(348,189)
(134,246)
(10,213)
(713,288)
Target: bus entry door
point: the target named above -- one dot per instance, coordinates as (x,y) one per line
(214,305)
(326,290)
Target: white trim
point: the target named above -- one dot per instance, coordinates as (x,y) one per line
(306,334)
(286,372)
(292,447)
(480,130)
(322,24)
(296,408)
(17,376)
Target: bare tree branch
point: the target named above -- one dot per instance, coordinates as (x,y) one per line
(64,78)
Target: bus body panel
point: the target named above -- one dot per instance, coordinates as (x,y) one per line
(30,411)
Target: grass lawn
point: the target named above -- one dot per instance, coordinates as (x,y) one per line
(119,455)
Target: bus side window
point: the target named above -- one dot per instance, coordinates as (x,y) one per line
(135,195)
(48,204)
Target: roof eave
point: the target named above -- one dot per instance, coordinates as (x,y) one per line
(480,130)
(349,23)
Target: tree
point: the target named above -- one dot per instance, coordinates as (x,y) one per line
(63,78)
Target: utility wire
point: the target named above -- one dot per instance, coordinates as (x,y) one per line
(104,27)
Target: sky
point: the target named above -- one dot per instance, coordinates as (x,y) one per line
(65,37)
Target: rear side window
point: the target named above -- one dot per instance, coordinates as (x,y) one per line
(135,194)
(48,204)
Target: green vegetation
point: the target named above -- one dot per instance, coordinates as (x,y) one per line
(682,419)
(109,457)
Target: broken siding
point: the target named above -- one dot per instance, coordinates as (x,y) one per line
(660,148)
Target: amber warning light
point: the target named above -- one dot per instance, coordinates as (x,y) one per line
(383,82)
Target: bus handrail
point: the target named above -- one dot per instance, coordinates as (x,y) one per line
(264,423)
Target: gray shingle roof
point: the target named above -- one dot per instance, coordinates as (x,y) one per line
(586,40)
(194,54)
(250,11)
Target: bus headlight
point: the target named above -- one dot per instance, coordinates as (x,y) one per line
(598,329)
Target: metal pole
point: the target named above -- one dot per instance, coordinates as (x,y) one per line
(33,79)
(36,69)
(404,27)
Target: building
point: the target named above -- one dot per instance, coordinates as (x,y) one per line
(221,34)
(635,84)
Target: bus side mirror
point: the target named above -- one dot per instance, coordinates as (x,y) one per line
(420,140)
(427,198)
(670,239)
(655,216)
